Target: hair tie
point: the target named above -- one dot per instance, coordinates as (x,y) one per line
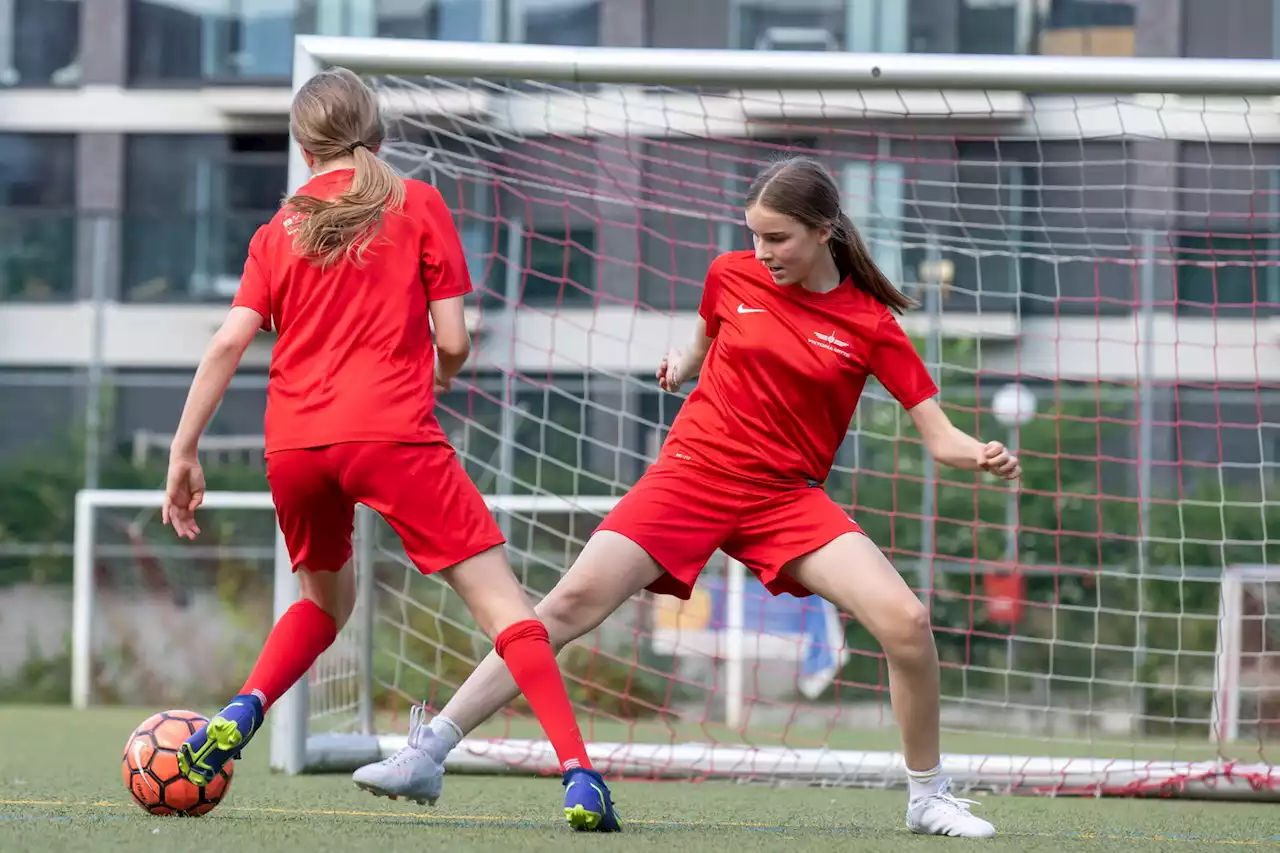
(352,148)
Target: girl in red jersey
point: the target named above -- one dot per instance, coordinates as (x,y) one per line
(787,337)
(352,272)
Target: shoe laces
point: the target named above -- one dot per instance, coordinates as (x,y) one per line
(952,802)
(417,721)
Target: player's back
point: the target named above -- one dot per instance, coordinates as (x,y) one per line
(354,359)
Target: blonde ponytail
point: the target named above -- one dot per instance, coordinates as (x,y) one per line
(345,225)
(335,115)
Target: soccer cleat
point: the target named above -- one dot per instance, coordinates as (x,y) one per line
(411,773)
(944,814)
(203,754)
(588,807)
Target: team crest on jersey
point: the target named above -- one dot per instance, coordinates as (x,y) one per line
(831,342)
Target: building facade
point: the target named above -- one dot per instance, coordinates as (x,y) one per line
(143,141)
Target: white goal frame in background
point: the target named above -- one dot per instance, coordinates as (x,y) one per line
(801,85)
(289,716)
(1224,724)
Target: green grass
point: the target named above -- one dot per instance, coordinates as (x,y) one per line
(60,789)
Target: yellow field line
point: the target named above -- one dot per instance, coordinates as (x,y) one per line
(453,818)
(427,816)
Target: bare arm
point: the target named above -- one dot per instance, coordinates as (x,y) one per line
(221,358)
(955,448)
(453,342)
(184,484)
(676,366)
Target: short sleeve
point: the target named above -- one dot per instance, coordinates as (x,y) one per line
(895,362)
(255,286)
(711,298)
(444,264)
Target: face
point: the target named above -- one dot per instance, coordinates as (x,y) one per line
(787,247)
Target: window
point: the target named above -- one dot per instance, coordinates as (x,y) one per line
(1089,28)
(40,43)
(873,200)
(192,205)
(37,217)
(567,22)
(964,227)
(1228,273)
(450,20)
(972,26)
(788,24)
(213,40)
(38,411)
(560,267)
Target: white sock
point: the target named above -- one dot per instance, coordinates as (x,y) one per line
(447,735)
(925,783)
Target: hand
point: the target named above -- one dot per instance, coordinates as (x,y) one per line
(669,374)
(183,493)
(442,384)
(996,459)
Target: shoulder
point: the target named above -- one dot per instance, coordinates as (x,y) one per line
(269,236)
(888,325)
(737,269)
(741,262)
(421,193)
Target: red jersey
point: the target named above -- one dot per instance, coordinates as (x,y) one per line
(784,374)
(354,358)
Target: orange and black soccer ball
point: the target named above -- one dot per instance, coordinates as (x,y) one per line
(150,767)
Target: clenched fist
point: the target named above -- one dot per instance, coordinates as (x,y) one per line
(996,458)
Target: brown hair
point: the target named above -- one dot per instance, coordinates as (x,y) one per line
(801,188)
(333,115)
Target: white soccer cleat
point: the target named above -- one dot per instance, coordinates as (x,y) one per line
(411,773)
(944,814)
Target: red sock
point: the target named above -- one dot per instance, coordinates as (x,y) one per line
(526,649)
(301,635)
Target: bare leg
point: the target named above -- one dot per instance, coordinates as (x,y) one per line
(852,574)
(610,569)
(332,592)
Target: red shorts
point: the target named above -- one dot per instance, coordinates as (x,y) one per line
(680,515)
(420,489)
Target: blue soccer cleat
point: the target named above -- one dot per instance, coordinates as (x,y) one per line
(588,807)
(203,754)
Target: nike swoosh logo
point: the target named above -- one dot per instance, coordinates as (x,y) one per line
(743,309)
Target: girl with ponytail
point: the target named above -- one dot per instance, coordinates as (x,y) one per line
(353,273)
(787,336)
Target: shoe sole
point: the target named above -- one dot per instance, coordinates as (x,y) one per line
(382,792)
(581,819)
(221,734)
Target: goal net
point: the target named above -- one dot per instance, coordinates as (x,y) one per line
(1093,239)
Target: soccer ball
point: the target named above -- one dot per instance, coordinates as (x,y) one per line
(150,767)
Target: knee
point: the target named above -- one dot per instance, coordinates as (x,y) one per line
(332,592)
(568,614)
(907,635)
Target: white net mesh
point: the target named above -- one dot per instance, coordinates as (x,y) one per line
(1117,255)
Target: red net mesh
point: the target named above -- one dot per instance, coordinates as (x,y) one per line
(1118,257)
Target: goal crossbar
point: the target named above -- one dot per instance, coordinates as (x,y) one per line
(789,69)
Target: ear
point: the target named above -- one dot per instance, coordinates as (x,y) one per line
(308,157)
(824,236)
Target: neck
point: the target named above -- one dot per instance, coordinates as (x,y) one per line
(334,165)
(825,276)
